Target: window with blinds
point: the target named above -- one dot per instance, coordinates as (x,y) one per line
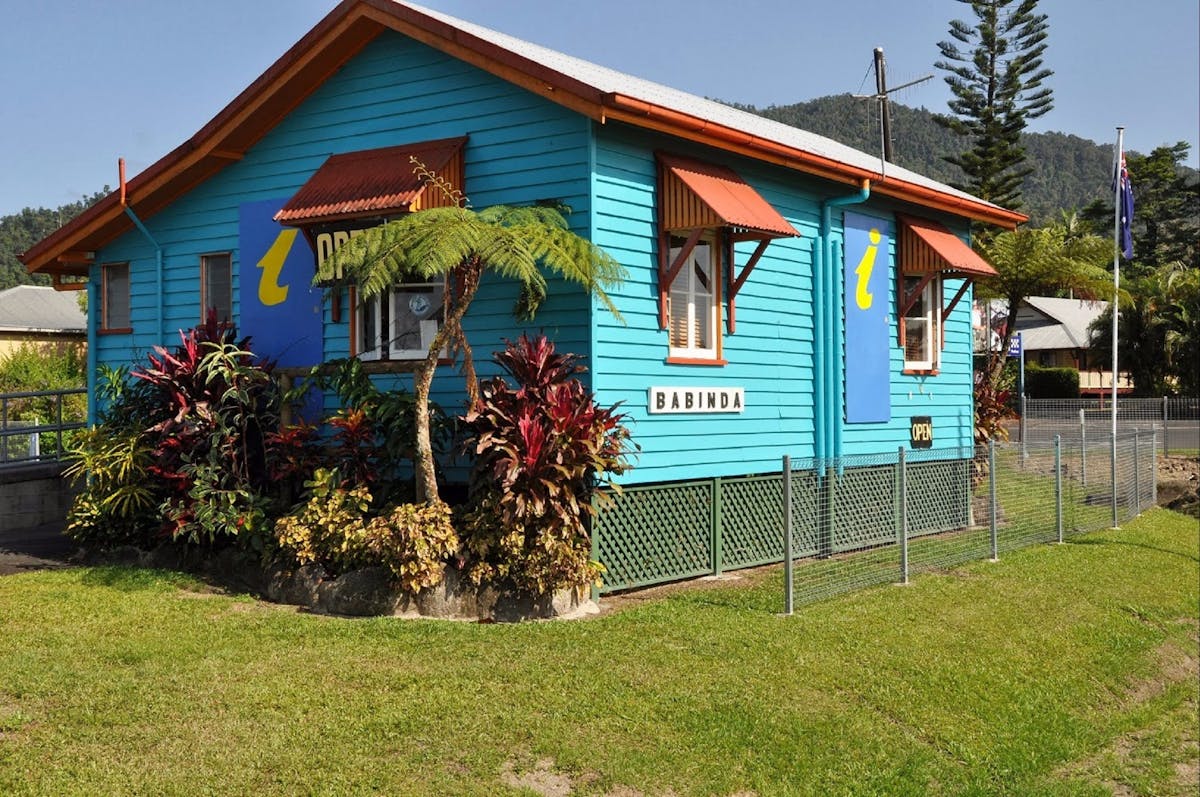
(692,306)
(921,333)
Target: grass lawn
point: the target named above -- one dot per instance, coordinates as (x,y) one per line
(1060,670)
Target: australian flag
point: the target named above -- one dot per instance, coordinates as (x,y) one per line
(1124,193)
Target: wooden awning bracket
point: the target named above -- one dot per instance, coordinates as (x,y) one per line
(736,282)
(908,300)
(668,272)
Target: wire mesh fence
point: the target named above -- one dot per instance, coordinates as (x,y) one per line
(937,509)
(859,521)
(1176,419)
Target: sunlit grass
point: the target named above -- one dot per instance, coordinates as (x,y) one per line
(1057,670)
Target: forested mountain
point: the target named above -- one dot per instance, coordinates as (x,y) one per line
(19,231)
(1068,171)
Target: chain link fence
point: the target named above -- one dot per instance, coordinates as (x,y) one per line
(1175,418)
(856,524)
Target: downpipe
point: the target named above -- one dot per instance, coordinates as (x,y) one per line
(158,252)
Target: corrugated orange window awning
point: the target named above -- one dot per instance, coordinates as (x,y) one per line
(695,196)
(376,182)
(929,248)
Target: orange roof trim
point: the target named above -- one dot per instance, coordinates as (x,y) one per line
(928,246)
(374,182)
(727,196)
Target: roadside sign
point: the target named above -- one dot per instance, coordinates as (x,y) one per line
(1014,346)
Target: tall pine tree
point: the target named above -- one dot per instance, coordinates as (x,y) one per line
(995,72)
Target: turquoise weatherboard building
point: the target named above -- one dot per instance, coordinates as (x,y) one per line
(785,294)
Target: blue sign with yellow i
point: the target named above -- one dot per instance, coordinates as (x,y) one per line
(280,308)
(868,349)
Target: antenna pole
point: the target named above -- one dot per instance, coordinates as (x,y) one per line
(884,113)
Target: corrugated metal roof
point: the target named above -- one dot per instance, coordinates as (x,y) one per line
(612,81)
(946,245)
(1049,323)
(367,182)
(34,308)
(728,195)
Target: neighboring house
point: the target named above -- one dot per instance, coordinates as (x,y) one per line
(783,296)
(1054,334)
(41,315)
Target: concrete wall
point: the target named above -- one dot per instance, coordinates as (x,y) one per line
(33,496)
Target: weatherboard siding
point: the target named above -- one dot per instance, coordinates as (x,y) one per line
(521,149)
(771,353)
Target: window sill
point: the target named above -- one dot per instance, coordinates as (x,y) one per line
(695,361)
(921,371)
(115,331)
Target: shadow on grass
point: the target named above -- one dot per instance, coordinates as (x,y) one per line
(134,579)
(1103,542)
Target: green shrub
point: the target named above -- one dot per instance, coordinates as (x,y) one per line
(117,500)
(414,541)
(330,527)
(1051,383)
(541,449)
(333,529)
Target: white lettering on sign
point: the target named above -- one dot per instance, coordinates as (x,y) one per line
(697,400)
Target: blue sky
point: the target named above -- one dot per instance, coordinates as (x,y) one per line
(87,82)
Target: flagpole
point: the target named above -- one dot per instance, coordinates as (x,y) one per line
(1116,312)
(1116,270)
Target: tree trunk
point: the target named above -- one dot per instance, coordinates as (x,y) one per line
(426,473)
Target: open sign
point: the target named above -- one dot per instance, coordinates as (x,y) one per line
(921,432)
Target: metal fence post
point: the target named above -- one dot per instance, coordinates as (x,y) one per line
(1058,486)
(1083,446)
(1022,430)
(593,528)
(1154,471)
(787,535)
(1116,524)
(902,526)
(992,491)
(1166,430)
(718,530)
(1137,482)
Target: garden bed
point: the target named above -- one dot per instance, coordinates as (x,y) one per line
(366,592)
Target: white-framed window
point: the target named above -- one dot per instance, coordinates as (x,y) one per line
(115,304)
(216,286)
(922,332)
(401,323)
(692,305)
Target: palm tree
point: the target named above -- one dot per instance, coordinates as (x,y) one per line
(459,244)
(1159,331)
(1041,262)
(1183,313)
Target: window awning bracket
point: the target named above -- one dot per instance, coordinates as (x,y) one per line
(668,273)
(736,281)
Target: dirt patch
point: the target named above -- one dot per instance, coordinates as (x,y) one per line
(1178,484)
(619,601)
(1174,665)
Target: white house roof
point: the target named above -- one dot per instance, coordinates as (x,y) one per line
(612,81)
(1048,323)
(33,309)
